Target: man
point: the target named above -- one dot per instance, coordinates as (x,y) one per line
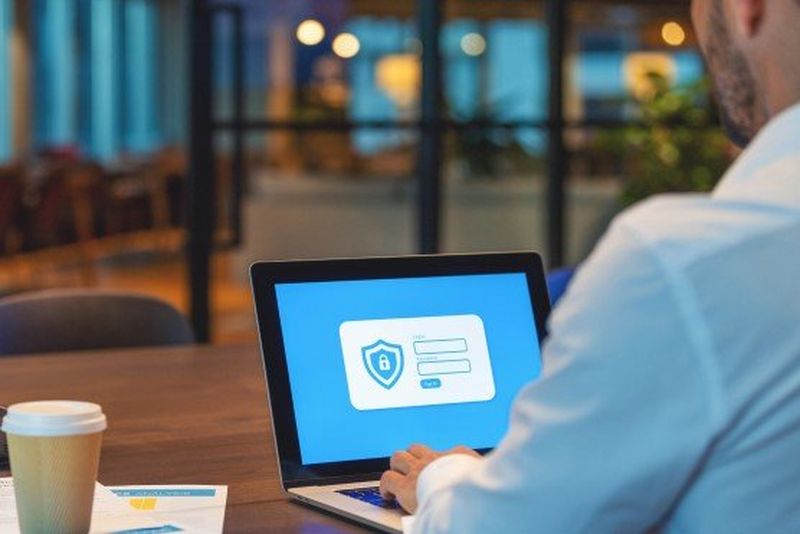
(671,389)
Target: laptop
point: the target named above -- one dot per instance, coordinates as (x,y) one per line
(364,357)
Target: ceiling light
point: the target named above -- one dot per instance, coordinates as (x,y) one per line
(310,32)
(473,44)
(346,45)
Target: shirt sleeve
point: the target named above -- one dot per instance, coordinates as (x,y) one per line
(611,433)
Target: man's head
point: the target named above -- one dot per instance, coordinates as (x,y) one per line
(751,47)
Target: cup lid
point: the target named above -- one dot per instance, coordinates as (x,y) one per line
(54,418)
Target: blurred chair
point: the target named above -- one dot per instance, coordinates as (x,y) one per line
(84,192)
(557,283)
(62,216)
(10,200)
(44,204)
(67,320)
(128,197)
(138,197)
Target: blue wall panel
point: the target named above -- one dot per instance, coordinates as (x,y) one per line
(6,20)
(56,106)
(141,64)
(104,52)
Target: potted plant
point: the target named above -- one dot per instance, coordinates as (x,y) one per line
(677,146)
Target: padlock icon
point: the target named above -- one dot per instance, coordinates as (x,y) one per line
(383,363)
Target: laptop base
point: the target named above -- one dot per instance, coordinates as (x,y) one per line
(327,498)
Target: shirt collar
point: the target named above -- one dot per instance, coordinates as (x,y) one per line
(769,168)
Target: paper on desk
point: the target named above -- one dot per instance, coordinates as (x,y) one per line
(109,512)
(197,509)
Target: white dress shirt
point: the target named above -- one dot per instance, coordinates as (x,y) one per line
(671,387)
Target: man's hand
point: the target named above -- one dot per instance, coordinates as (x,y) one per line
(400,482)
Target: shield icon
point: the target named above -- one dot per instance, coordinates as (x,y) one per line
(384,362)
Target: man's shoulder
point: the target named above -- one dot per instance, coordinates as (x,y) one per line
(682,229)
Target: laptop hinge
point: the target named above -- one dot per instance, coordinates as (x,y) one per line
(330,481)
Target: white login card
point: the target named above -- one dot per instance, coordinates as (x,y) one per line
(396,363)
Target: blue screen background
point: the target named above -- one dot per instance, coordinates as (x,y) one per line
(331,430)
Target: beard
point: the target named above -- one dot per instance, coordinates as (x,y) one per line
(735,85)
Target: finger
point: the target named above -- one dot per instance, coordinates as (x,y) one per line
(402,462)
(420,451)
(390,484)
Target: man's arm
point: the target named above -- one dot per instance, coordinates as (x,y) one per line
(610,434)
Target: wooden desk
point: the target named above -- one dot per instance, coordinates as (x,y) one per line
(194,415)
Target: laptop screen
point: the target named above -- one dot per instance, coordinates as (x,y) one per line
(376,365)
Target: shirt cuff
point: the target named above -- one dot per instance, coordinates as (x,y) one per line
(444,472)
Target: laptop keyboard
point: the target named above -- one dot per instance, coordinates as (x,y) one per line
(371,495)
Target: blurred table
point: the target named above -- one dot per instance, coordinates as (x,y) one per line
(196,415)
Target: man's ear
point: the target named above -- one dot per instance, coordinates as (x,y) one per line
(748,16)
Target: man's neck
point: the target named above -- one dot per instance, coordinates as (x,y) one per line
(780,74)
(781,97)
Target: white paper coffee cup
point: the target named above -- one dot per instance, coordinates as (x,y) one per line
(54,448)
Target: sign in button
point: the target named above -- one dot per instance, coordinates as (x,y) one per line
(431,383)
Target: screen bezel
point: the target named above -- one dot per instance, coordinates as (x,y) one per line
(265,275)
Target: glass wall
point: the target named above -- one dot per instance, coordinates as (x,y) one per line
(93,115)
